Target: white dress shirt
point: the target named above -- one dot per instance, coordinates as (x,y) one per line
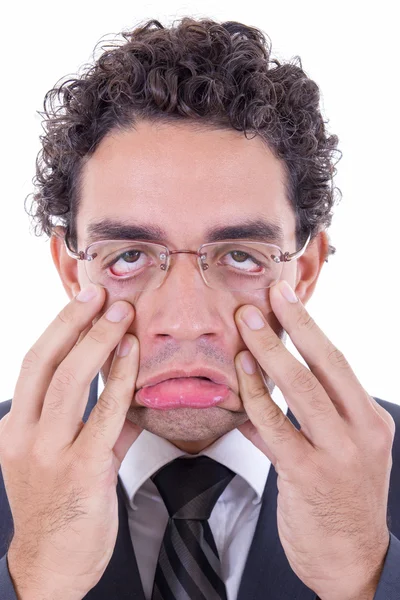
(233,519)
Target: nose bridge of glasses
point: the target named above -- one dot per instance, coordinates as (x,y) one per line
(183,252)
(196,254)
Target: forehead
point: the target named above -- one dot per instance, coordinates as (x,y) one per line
(183,180)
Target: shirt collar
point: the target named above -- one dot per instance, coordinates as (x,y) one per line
(150,452)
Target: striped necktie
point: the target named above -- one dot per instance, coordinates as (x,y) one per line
(188,566)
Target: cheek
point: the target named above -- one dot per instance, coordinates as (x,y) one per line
(260,299)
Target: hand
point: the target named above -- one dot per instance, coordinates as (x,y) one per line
(332,474)
(60,473)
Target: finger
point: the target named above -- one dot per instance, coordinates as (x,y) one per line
(251,432)
(106,428)
(305,396)
(283,442)
(43,358)
(66,397)
(84,333)
(129,433)
(325,360)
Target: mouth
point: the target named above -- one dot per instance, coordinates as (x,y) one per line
(194,391)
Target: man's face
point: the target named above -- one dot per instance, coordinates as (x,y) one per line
(186,182)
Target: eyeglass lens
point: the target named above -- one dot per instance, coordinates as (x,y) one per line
(128,267)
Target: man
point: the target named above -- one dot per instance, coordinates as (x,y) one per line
(188,250)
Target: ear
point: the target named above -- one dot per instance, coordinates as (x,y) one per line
(309,266)
(66,266)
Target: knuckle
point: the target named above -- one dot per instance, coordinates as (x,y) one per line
(384,427)
(98,334)
(391,423)
(336,358)
(272,417)
(282,433)
(108,403)
(258,391)
(383,434)
(63,381)
(29,361)
(320,407)
(64,377)
(13,448)
(40,454)
(303,380)
(11,458)
(9,454)
(55,405)
(271,343)
(305,321)
(116,375)
(67,315)
(348,458)
(385,416)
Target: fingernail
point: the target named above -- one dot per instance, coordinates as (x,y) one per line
(87,293)
(287,292)
(252,317)
(248,363)
(116,313)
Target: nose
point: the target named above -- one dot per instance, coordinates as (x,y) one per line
(184,307)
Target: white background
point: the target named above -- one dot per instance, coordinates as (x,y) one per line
(348,48)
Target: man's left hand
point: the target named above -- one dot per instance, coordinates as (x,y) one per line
(332,474)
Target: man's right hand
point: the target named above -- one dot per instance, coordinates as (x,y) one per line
(60,473)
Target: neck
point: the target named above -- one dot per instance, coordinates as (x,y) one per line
(193,447)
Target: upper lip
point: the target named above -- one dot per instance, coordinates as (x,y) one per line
(215,376)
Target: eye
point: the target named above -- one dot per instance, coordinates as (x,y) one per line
(240,256)
(241,260)
(128,263)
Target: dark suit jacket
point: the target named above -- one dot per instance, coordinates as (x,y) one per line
(267,574)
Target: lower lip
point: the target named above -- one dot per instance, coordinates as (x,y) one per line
(182,392)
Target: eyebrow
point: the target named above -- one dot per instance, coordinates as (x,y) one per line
(252,229)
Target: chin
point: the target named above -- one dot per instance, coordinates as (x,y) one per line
(187,424)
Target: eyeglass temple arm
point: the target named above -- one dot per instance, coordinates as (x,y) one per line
(288,257)
(78,255)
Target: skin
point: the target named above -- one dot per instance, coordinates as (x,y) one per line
(184,322)
(332,474)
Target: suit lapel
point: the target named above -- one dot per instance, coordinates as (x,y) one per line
(267,573)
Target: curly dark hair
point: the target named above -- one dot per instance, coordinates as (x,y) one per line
(213,75)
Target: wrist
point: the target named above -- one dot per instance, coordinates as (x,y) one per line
(365,590)
(31,585)
(361,583)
